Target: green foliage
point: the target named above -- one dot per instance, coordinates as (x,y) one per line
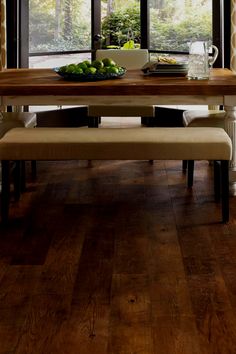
(54,29)
(166,32)
(176,35)
(122,25)
(49,32)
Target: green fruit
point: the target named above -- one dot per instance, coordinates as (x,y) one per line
(82,65)
(108,62)
(113,70)
(63,69)
(98,64)
(102,71)
(78,71)
(70,68)
(87,63)
(90,70)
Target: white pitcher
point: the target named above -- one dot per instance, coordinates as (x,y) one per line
(199,61)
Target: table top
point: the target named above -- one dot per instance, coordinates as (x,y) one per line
(31,82)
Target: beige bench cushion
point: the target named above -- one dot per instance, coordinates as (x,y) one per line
(116,144)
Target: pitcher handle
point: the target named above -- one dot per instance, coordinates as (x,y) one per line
(215,55)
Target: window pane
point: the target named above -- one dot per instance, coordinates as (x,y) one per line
(174,23)
(59,25)
(121,23)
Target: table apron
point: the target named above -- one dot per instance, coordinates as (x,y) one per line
(114,100)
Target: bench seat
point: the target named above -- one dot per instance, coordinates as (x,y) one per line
(116,144)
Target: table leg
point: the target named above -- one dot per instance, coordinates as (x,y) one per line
(230,127)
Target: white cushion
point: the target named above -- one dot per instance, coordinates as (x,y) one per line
(208,118)
(10,120)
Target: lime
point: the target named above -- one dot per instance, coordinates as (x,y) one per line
(63,69)
(108,62)
(78,71)
(82,65)
(70,68)
(87,63)
(113,70)
(102,71)
(98,64)
(90,70)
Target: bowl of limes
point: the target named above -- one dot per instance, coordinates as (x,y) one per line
(95,70)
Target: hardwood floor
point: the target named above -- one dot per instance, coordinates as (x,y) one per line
(118,257)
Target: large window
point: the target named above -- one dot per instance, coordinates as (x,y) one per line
(57,27)
(120,23)
(54,32)
(174,23)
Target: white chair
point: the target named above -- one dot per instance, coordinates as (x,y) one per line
(212,117)
(130,59)
(8,121)
(207,118)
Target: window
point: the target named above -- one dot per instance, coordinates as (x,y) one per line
(72,28)
(174,23)
(121,25)
(57,27)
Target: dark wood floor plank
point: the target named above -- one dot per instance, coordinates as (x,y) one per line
(225,250)
(130,319)
(215,317)
(16,289)
(175,335)
(45,317)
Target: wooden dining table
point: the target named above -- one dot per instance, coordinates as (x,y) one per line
(19,87)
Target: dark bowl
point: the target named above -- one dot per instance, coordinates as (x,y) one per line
(90,77)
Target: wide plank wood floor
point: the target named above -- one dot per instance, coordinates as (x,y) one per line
(118,257)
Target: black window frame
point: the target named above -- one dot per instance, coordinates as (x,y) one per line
(18,35)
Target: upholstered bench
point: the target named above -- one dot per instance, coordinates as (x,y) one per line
(116,144)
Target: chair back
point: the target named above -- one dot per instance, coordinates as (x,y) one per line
(130,59)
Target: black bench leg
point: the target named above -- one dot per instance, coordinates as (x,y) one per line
(225,190)
(190,173)
(22,176)
(217,180)
(17,180)
(5,200)
(184,165)
(23,173)
(34,169)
